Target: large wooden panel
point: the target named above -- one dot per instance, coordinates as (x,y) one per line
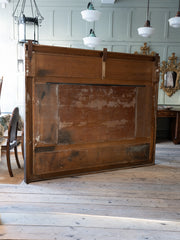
(89,158)
(68,66)
(46,113)
(88,111)
(74,114)
(95,113)
(144,113)
(140,72)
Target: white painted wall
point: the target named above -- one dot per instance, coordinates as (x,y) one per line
(63,26)
(8,56)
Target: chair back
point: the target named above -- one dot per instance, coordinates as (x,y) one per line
(13,125)
(1,82)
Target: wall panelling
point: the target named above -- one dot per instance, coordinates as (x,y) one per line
(117,27)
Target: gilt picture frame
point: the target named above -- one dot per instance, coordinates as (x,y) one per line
(170,74)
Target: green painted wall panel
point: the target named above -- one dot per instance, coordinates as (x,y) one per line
(79,26)
(46,30)
(158,22)
(120,24)
(62,23)
(103,27)
(120,48)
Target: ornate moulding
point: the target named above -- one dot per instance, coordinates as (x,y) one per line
(145,50)
(170,73)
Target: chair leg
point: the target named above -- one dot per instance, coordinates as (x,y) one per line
(8,161)
(16,155)
(22,143)
(22,149)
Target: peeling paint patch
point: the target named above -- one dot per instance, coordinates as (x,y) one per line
(82,124)
(65,124)
(115,123)
(101,103)
(38,138)
(28,97)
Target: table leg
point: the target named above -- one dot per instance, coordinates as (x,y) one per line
(176,126)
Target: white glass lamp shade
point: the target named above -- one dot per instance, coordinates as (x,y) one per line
(90,15)
(3,3)
(145,31)
(91,41)
(174,22)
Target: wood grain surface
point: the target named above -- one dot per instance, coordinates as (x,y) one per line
(82,118)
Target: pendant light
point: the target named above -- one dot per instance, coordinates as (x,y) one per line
(147,30)
(28,26)
(91,41)
(90,14)
(3,3)
(175,21)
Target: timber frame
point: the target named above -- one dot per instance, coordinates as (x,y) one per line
(88,111)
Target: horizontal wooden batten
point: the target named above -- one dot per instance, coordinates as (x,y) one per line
(86,158)
(39,146)
(53,50)
(94,81)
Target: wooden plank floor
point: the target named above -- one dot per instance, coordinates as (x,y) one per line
(132,204)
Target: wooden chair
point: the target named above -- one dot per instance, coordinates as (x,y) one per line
(12,140)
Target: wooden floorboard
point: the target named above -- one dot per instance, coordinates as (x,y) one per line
(77,233)
(132,204)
